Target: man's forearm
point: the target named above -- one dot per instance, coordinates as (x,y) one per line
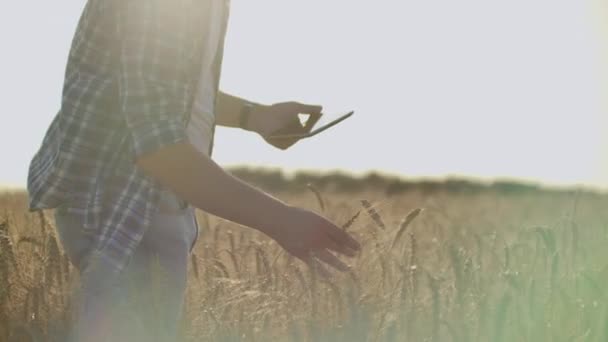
(228,110)
(200,181)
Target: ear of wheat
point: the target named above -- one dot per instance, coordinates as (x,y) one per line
(404,224)
(373,213)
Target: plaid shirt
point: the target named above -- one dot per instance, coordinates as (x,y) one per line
(131,75)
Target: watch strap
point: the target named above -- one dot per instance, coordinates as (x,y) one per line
(245,114)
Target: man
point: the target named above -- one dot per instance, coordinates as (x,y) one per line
(127,158)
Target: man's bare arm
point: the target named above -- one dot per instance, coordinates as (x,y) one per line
(201,182)
(197,179)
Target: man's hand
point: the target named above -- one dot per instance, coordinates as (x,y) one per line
(312,238)
(282,118)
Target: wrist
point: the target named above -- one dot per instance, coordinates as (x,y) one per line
(277,219)
(249,116)
(245,115)
(258,118)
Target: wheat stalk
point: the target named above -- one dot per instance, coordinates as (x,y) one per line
(52,269)
(436,307)
(409,218)
(351,221)
(7,257)
(221,267)
(413,269)
(194,262)
(317,193)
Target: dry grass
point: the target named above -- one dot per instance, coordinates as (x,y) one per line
(468,267)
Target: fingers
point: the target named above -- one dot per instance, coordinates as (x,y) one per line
(316,266)
(340,248)
(310,109)
(332,260)
(312,121)
(342,238)
(314,114)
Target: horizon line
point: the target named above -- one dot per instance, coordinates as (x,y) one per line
(6,186)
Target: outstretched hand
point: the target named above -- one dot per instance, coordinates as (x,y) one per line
(313,239)
(283,118)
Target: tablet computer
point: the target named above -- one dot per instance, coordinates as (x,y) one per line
(323,122)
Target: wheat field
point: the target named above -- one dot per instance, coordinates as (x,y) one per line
(438,265)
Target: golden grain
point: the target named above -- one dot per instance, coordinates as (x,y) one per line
(426,287)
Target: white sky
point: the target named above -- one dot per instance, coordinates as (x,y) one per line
(477,88)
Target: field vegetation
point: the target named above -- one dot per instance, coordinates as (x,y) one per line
(441,261)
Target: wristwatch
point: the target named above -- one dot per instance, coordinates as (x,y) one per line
(245,114)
